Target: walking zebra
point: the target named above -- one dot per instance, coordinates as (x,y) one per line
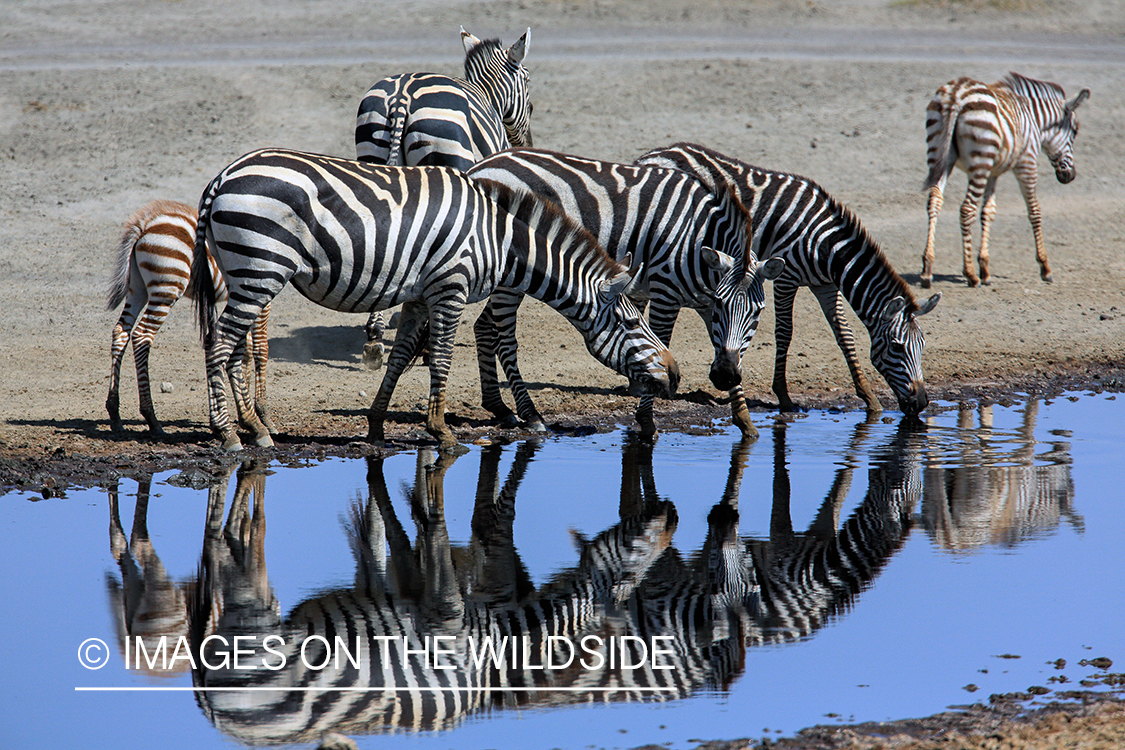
(987,130)
(358,237)
(826,249)
(692,245)
(154,260)
(426,119)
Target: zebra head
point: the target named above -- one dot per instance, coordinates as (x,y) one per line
(620,338)
(896,351)
(1059,137)
(500,73)
(739,299)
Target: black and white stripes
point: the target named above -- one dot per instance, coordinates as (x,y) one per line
(987,130)
(357,237)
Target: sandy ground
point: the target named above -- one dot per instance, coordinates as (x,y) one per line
(104,106)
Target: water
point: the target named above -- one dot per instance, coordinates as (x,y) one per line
(879,571)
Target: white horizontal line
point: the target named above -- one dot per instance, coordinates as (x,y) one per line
(125,689)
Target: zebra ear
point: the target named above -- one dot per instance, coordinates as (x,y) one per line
(468,41)
(893,308)
(928,305)
(771,268)
(717,261)
(1074,103)
(617,285)
(518,50)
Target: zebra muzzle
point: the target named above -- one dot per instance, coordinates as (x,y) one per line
(726,372)
(917,401)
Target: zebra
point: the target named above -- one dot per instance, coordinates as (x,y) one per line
(154,261)
(987,130)
(426,119)
(827,249)
(358,237)
(693,246)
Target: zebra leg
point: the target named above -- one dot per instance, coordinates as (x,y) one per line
(832,303)
(933,208)
(441,604)
(784,292)
(412,325)
(505,307)
(977,182)
(487,340)
(987,213)
(260,347)
(1027,174)
(142,335)
(662,314)
(373,350)
(247,415)
(118,344)
(739,413)
(444,319)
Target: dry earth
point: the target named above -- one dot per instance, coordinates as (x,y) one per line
(104,106)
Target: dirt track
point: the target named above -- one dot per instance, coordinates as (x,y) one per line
(106,106)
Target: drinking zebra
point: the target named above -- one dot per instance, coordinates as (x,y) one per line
(358,237)
(154,260)
(426,119)
(693,246)
(987,130)
(826,249)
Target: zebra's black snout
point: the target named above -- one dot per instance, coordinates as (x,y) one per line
(1066,175)
(916,402)
(725,373)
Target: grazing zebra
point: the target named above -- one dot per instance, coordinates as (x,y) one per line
(692,245)
(154,260)
(426,119)
(826,249)
(358,237)
(986,131)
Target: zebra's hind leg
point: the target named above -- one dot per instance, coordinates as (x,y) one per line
(247,411)
(933,208)
(832,303)
(412,326)
(486,334)
(968,218)
(374,351)
(118,344)
(259,345)
(987,213)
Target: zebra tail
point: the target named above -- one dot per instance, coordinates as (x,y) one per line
(119,282)
(201,284)
(944,159)
(395,155)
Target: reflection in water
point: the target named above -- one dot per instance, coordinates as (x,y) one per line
(420,614)
(995,493)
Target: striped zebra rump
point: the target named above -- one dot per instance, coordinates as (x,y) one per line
(987,130)
(358,237)
(151,273)
(826,248)
(690,248)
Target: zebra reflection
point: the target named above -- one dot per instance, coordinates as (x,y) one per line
(629,582)
(999,491)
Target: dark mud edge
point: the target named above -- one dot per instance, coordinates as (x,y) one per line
(85,453)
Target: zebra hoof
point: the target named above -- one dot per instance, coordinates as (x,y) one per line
(452,449)
(263,441)
(373,352)
(232,444)
(537,427)
(1047,279)
(925,283)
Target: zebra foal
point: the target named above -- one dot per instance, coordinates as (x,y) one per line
(427,119)
(987,130)
(154,261)
(692,249)
(358,237)
(826,249)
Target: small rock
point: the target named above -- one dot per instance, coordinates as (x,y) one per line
(1100,663)
(165,387)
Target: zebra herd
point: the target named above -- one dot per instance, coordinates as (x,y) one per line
(448,204)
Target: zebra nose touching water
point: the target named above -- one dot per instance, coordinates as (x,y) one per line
(357,237)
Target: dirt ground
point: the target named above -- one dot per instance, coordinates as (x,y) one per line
(104,106)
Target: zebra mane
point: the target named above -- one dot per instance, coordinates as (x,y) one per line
(863,237)
(483,50)
(520,204)
(1031,88)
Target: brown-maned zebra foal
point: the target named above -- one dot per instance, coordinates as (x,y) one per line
(986,130)
(153,266)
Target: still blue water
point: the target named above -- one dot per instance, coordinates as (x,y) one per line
(850,571)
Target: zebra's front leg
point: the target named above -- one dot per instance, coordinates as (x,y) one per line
(739,413)
(968,219)
(1028,175)
(933,208)
(259,345)
(987,213)
(444,319)
(412,326)
(662,314)
(783,295)
(247,414)
(832,303)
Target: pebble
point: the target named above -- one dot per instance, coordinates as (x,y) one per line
(165,387)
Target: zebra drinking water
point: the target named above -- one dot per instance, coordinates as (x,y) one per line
(693,245)
(987,130)
(358,237)
(427,119)
(826,249)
